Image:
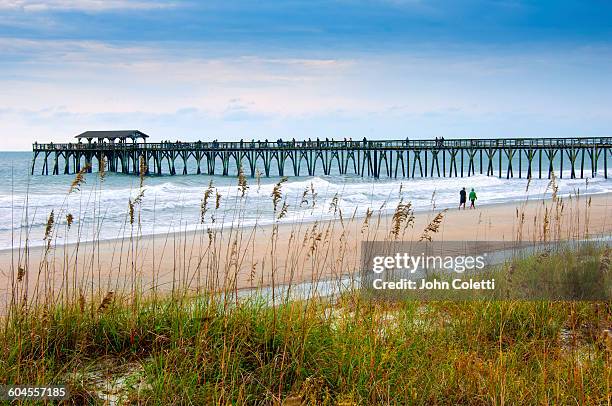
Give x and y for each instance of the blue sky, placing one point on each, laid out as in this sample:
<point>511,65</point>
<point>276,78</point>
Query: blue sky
<point>268,69</point>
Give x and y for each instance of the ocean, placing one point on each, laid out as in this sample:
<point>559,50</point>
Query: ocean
<point>172,203</point>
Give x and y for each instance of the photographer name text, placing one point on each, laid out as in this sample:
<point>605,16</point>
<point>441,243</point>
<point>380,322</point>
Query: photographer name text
<point>434,284</point>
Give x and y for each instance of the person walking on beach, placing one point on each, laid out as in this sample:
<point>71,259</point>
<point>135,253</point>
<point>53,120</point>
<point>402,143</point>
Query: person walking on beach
<point>472,199</point>
<point>462,198</point>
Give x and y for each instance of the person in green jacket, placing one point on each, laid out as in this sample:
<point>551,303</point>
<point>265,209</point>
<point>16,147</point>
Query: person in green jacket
<point>473,199</point>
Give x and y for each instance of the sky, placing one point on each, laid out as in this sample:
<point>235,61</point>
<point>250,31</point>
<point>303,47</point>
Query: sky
<point>381,69</point>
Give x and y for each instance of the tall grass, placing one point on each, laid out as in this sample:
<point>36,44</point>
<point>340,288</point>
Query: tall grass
<point>182,315</point>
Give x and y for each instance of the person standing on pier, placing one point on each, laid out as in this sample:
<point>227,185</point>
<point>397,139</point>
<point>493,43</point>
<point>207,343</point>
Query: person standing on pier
<point>472,199</point>
<point>462,198</point>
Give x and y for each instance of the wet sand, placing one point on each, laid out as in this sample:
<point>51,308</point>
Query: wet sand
<point>289,253</point>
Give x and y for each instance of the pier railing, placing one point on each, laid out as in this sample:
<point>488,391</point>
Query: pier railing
<point>335,144</point>
<point>406,158</point>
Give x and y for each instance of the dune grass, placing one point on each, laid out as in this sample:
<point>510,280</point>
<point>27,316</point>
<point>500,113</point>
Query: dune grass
<point>353,351</point>
<point>209,347</point>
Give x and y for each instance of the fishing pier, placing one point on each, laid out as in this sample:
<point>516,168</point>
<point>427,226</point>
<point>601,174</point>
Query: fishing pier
<point>128,152</point>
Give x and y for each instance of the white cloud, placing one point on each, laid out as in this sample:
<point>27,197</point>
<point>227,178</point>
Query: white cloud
<point>53,88</point>
<point>83,5</point>
<point>93,76</point>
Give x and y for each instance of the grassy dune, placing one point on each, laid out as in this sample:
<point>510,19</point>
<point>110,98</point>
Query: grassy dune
<point>353,351</point>
<point>126,345</point>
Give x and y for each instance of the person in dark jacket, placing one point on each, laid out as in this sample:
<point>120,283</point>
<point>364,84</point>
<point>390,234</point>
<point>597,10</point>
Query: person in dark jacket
<point>462,198</point>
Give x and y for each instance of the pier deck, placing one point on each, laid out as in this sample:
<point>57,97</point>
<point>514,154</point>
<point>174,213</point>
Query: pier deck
<point>515,157</point>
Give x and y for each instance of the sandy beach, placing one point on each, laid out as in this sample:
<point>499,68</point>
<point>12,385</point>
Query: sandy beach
<point>289,253</point>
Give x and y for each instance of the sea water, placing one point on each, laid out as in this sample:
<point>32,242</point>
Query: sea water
<point>172,203</point>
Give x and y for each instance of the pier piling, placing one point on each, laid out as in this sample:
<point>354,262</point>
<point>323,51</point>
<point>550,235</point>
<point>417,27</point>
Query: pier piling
<point>390,159</point>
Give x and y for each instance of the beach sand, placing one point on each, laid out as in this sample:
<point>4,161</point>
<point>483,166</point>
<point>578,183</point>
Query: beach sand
<point>290,253</point>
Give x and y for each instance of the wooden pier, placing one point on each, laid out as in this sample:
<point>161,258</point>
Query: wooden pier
<point>128,152</point>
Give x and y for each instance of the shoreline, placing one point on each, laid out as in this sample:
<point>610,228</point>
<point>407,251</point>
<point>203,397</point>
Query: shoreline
<point>269,223</point>
<point>263,255</point>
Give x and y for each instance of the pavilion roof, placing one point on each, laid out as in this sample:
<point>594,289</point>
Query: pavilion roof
<point>114,134</point>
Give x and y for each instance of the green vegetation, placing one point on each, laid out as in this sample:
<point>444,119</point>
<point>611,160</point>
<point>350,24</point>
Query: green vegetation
<point>107,340</point>
<point>580,271</point>
<point>353,351</point>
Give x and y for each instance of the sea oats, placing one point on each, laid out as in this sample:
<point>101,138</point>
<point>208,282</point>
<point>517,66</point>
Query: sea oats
<point>131,211</point>
<point>143,170</point>
<point>108,298</point>
<point>313,194</point>
<point>242,182</point>
<point>366,220</point>
<point>403,216</point>
<point>277,193</point>
<point>433,227</point>
<point>49,225</point>
<point>304,199</point>
<point>217,200</point>
<point>333,206</point>
<point>69,220</point>
<point>79,179</point>
<point>20,273</point>
<point>283,210</point>
<point>102,168</point>
<point>204,203</point>
<point>553,186</point>
<point>258,179</point>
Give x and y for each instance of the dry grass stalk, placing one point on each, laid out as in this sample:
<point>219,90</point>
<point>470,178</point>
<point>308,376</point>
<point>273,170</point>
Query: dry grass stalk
<point>521,216</point>
<point>69,220</point>
<point>315,238</point>
<point>433,227</point>
<point>20,273</point>
<point>333,206</point>
<point>204,204</point>
<point>81,301</point>
<point>304,200</point>
<point>366,220</point>
<point>313,195</point>
<point>242,182</point>
<point>143,170</point>
<point>108,298</point>
<point>217,200</point>
<point>138,198</point>
<point>559,207</point>
<point>307,234</point>
<point>79,179</point>
<point>402,218</point>
<point>587,217</point>
<point>211,236</point>
<point>277,193</point>
<point>258,179</point>
<point>253,272</point>
<point>553,186</point>
<point>131,211</point>
<point>546,225</point>
<point>49,225</point>
<point>102,168</point>
<point>284,209</point>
